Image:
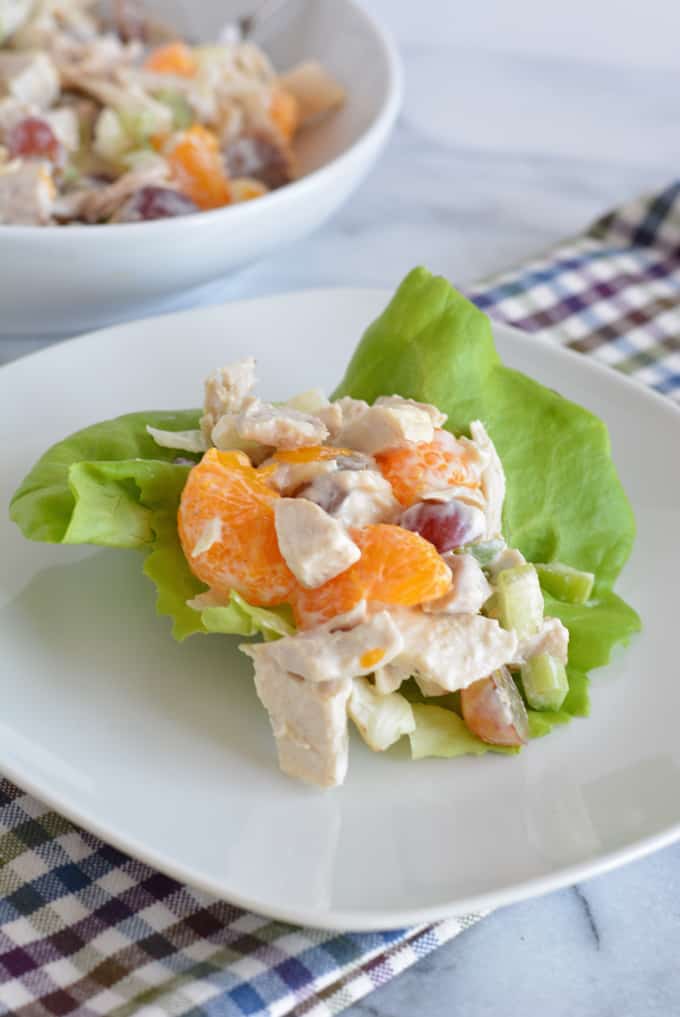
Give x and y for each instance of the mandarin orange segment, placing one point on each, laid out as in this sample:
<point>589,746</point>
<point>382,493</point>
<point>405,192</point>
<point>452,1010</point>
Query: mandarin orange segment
<point>196,164</point>
<point>413,470</point>
<point>284,112</point>
<point>310,454</point>
<point>397,567</point>
<point>246,558</point>
<point>175,58</point>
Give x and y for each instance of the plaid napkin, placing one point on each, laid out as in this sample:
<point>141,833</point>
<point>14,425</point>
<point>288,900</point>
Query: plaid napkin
<point>85,930</point>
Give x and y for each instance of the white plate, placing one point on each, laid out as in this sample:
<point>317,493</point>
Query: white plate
<point>58,280</point>
<point>164,750</point>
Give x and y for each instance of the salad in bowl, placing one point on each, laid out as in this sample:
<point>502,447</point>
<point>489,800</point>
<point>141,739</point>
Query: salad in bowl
<point>428,555</point>
<point>118,120</point>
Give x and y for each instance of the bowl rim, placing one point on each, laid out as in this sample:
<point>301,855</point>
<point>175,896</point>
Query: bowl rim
<point>372,135</point>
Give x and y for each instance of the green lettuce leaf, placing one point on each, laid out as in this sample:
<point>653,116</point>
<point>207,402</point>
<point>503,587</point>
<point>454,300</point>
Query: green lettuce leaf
<point>564,499</point>
<point>240,618</point>
<point>132,502</point>
<point>110,484</point>
<point>441,732</point>
<point>434,345</point>
<point>43,505</point>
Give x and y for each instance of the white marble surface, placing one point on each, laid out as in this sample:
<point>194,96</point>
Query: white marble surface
<point>521,123</point>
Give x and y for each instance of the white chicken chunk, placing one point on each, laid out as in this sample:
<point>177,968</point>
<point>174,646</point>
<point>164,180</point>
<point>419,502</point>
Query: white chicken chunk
<point>29,77</point>
<point>319,655</point>
<point>65,126</point>
<point>13,13</point>
<point>452,650</point>
<point>436,416</point>
<point>341,413</point>
<point>288,478</point>
<point>226,390</point>
<point>354,497</point>
<point>553,639</point>
<point>310,401</point>
<point>389,678</point>
<point>493,479</point>
<point>309,722</point>
<point>509,558</point>
<point>316,547</point>
<point>279,426</point>
<point>315,91</point>
<point>26,194</point>
<point>225,435</point>
<point>469,587</point>
<point>382,427</point>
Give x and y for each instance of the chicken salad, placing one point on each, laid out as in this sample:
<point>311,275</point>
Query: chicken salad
<point>117,119</point>
<point>409,559</point>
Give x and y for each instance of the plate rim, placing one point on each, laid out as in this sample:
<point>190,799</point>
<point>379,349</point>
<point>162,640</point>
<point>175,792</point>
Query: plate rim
<point>374,919</point>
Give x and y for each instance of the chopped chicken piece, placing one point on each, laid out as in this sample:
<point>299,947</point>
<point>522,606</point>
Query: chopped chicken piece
<point>390,677</point>
<point>290,477</point>
<point>428,687</point>
<point>65,126</point>
<point>436,416</point>
<point>314,89</point>
<point>263,155</point>
<point>341,413</point>
<point>382,427</point>
<point>321,656</point>
<point>100,204</point>
<point>552,639</point>
<point>309,722</point>
<point>26,193</point>
<point>493,479</point>
<point>456,492</point>
<point>509,558</point>
<point>13,14</point>
<point>30,77</point>
<point>453,650</point>
<point>279,426</point>
<point>129,97</point>
<point>226,390</point>
<point>331,416</point>
<point>354,497</point>
<point>310,401</point>
<point>315,546</point>
<point>469,590</point>
<point>225,436</point>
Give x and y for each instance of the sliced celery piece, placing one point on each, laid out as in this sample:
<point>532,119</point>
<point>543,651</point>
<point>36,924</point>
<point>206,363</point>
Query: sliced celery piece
<point>520,601</point>
<point>182,114</point>
<point>485,552</point>
<point>545,682</point>
<point>565,583</point>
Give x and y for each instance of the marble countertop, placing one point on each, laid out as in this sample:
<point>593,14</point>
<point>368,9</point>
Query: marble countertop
<point>521,124</point>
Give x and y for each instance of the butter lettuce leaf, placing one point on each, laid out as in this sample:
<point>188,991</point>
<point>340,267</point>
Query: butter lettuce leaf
<point>43,506</point>
<point>564,499</point>
<point>110,484</point>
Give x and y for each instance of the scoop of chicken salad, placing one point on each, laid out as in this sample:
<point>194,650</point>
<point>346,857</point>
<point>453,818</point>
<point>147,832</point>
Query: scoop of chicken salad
<point>118,119</point>
<point>369,539</point>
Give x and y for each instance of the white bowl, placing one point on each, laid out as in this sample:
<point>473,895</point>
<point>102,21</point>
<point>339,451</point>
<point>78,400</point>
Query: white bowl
<point>65,279</point>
